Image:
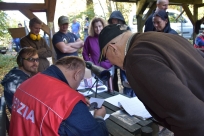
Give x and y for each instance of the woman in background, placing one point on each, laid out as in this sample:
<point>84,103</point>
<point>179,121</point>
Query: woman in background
<point>161,22</point>
<point>91,50</point>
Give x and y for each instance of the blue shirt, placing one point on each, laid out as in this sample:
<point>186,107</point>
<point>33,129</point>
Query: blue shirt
<point>66,38</point>
<point>75,27</point>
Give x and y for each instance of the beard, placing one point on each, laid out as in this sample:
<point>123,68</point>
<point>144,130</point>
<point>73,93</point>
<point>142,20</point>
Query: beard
<point>32,69</point>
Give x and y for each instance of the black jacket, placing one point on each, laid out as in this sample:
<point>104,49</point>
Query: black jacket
<point>117,15</point>
<point>149,24</point>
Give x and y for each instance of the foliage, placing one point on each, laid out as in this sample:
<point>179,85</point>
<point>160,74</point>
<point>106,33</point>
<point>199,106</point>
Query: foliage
<point>3,24</point>
<point>7,62</point>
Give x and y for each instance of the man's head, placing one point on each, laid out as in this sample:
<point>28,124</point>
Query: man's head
<point>19,25</point>
<point>112,41</point>
<point>74,21</point>
<point>73,68</point>
<point>87,19</point>
<point>162,4</point>
<point>35,25</point>
<point>63,23</point>
<point>28,60</point>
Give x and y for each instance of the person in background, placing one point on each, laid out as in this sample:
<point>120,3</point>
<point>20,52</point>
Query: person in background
<point>86,27</point>
<point>28,61</point>
<point>48,104</point>
<point>161,22</point>
<point>34,40</point>
<point>91,50</point>
<point>66,43</point>
<point>165,71</point>
<point>199,41</point>
<point>75,28</point>
<point>198,25</point>
<point>161,4</point>
<point>16,41</point>
<point>116,17</point>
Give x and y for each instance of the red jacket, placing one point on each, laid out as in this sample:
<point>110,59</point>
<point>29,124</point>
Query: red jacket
<point>39,106</point>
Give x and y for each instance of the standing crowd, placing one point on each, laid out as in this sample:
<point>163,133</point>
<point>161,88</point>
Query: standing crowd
<point>158,66</point>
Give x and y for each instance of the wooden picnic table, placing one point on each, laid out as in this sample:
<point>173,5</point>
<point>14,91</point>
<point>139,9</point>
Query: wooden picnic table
<point>117,127</point>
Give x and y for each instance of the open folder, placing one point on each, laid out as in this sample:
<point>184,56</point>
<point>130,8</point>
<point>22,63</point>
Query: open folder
<point>133,106</point>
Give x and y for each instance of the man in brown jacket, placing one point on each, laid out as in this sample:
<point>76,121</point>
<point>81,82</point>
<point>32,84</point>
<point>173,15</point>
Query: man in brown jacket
<point>33,39</point>
<point>166,73</point>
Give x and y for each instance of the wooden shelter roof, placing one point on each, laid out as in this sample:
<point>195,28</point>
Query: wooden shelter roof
<point>28,8</point>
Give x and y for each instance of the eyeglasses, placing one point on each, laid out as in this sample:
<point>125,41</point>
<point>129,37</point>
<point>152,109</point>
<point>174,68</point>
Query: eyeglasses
<point>31,59</point>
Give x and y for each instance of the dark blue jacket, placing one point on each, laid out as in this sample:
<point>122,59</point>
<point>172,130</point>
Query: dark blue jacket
<point>149,24</point>
<point>10,82</point>
<point>80,122</point>
<point>168,29</point>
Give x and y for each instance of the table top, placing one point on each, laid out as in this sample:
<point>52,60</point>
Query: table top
<point>119,126</point>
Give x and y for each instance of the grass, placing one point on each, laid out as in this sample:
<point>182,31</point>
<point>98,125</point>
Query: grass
<point>7,62</point>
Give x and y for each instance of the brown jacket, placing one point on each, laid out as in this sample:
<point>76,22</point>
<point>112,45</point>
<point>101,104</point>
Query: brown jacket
<point>43,50</point>
<point>167,74</point>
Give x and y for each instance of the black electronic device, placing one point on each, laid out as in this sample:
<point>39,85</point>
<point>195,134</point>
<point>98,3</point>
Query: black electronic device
<point>101,73</point>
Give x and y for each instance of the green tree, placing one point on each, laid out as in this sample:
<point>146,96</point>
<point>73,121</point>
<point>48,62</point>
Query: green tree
<point>3,23</point>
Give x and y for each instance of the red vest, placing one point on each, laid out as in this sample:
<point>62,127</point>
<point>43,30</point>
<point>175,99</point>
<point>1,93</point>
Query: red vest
<point>39,106</point>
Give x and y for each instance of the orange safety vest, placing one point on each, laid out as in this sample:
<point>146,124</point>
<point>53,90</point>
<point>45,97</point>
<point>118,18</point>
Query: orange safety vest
<point>39,106</point>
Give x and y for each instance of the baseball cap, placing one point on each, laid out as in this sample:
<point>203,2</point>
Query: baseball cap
<point>63,20</point>
<point>107,34</point>
<point>161,13</point>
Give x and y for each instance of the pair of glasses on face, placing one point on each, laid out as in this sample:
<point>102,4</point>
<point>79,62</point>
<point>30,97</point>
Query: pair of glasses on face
<point>31,59</point>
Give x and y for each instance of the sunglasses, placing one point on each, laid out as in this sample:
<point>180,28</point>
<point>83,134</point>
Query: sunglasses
<point>31,59</point>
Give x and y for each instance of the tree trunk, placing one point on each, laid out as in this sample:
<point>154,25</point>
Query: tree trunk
<point>90,7</point>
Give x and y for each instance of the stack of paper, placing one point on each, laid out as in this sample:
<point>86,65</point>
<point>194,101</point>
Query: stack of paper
<point>132,106</point>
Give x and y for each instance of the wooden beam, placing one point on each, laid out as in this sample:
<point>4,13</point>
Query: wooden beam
<point>200,5</point>
<point>51,11</point>
<point>132,1</point>
<point>171,1</point>
<point>195,13</point>
<point>46,3</point>
<point>140,6</point>
<point>188,13</point>
<point>19,6</point>
<point>30,15</point>
<point>151,8</point>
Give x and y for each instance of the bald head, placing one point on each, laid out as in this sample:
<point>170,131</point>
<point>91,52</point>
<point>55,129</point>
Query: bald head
<point>73,68</point>
<point>162,4</point>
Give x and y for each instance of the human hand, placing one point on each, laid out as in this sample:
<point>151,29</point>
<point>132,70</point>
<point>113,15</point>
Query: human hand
<point>100,112</point>
<point>82,44</point>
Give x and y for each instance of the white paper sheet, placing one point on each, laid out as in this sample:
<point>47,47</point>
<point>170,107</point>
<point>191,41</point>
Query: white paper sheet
<point>115,99</point>
<point>134,106</point>
<point>97,100</point>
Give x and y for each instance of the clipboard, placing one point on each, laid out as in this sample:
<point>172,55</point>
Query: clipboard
<point>17,32</point>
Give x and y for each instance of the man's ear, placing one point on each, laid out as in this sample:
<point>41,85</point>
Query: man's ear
<point>77,74</point>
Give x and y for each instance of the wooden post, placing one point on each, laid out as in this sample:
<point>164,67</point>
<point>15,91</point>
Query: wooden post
<point>50,24</point>
<point>195,13</point>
